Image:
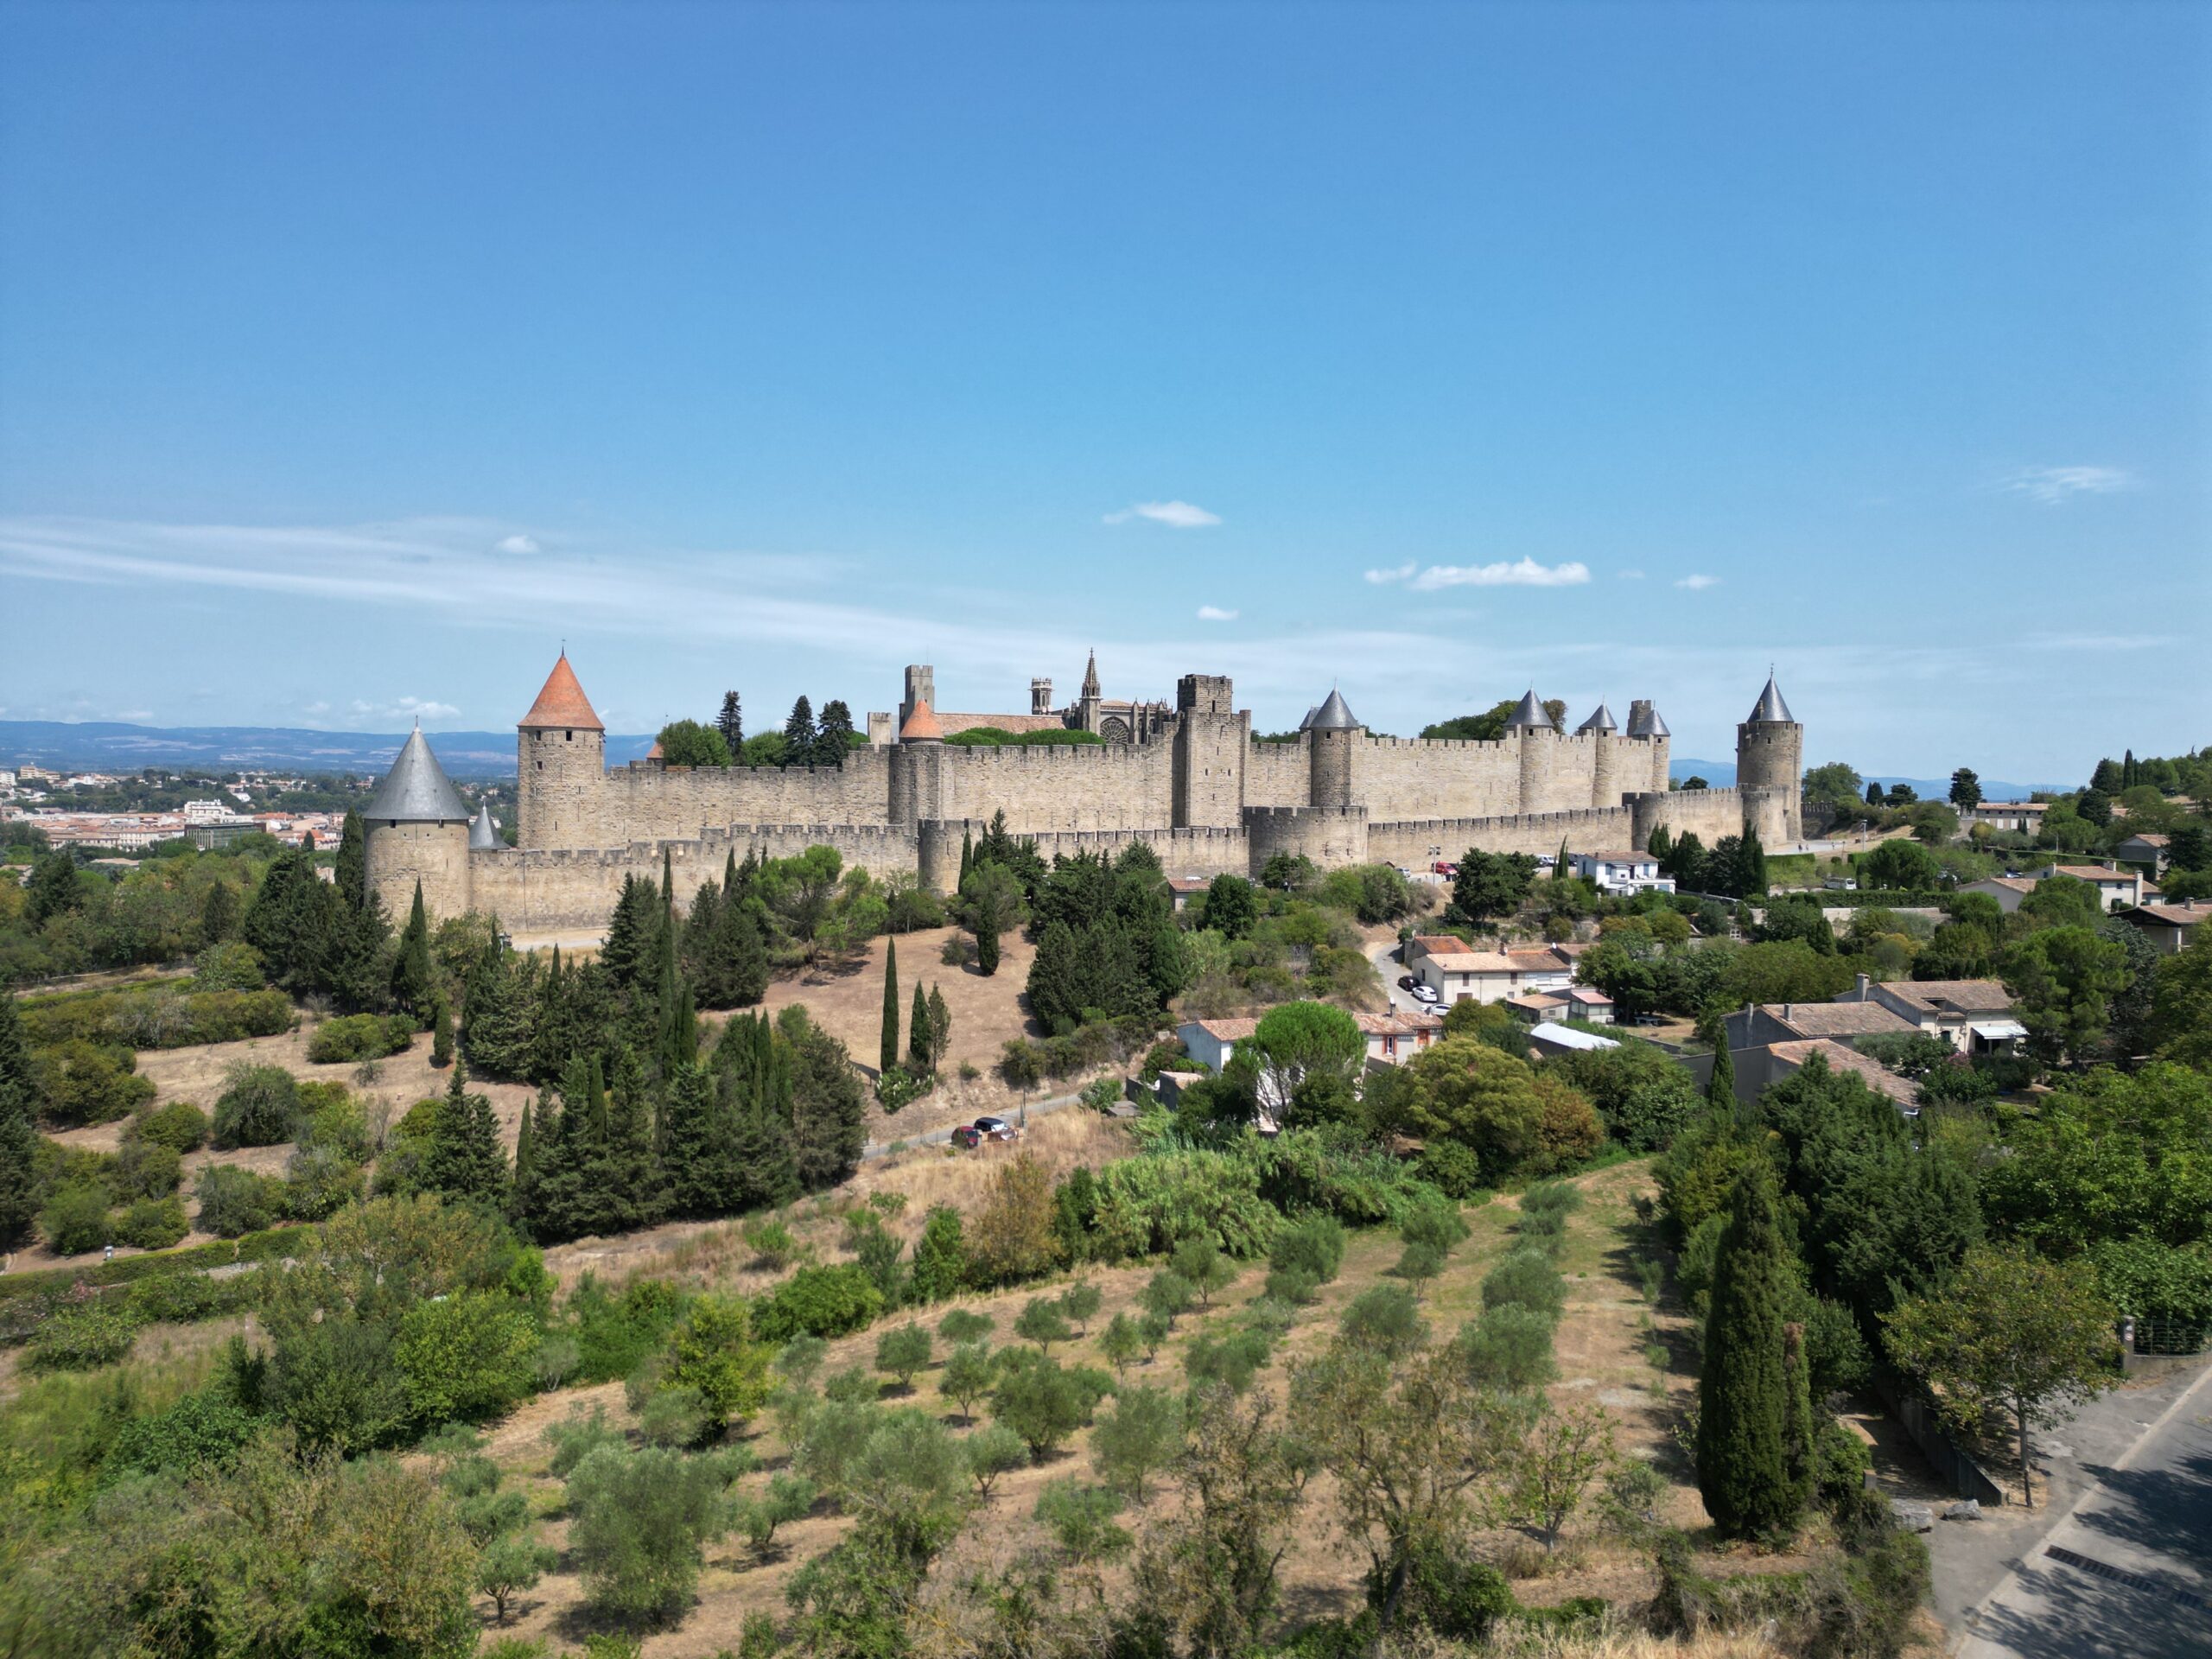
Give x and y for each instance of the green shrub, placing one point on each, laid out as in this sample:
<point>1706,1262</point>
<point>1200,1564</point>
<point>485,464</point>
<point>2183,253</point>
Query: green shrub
<point>85,1083</point>
<point>673,1417</point>
<point>616,1334</point>
<point>179,1126</point>
<point>1457,1598</point>
<point>1384,1318</point>
<point>201,1432</point>
<point>639,1521</point>
<point>1526,1277</point>
<point>144,1170</point>
<point>75,1220</point>
<point>233,1201</point>
<point>1509,1347</point>
<point>577,1436</point>
<point>822,1301</point>
<point>465,1355</point>
<point>156,1017</point>
<point>259,1107</point>
<point>151,1223</point>
<point>1452,1168</point>
<point>360,1036</point>
<point>81,1337</point>
<point>182,1298</point>
<point>1314,1246</point>
<point>231,966</point>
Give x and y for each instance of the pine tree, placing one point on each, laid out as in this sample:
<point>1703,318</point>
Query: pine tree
<point>440,1031</point>
<point>18,1127</point>
<point>830,744</point>
<point>731,724</point>
<point>627,955</point>
<point>1720,1088</point>
<point>940,1027</point>
<point>1055,979</point>
<point>498,1014</point>
<point>888,1050</point>
<point>799,734</point>
<point>698,1147</point>
<point>464,1160</point>
<point>352,865</point>
<point>1743,1453</point>
<point>413,985</point>
<point>632,1190</point>
<point>918,1035</point>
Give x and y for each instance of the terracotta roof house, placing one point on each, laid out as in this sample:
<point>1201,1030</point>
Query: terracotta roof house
<point>1972,1015</point>
<point>1458,972</point>
<point>2170,924</point>
<point>1785,1059</point>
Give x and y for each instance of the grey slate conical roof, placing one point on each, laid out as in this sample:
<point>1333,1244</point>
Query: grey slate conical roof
<point>483,834</point>
<point>1306,724</point>
<point>1770,707</point>
<point>416,789</point>
<point>1646,723</point>
<point>1333,715</point>
<point>1528,713</point>
<point>1600,721</point>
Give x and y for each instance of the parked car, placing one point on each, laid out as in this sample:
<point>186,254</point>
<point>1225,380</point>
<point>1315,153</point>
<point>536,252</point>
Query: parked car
<point>995,1128</point>
<point>1442,868</point>
<point>1425,992</point>
<point>966,1137</point>
<point>1407,982</point>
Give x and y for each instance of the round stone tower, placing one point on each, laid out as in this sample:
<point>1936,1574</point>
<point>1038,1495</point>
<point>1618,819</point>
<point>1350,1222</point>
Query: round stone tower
<point>1601,731</point>
<point>561,766</point>
<point>1539,741</point>
<point>417,831</point>
<point>1332,736</point>
<point>1770,756</point>
<point>1643,722</point>
<point>917,786</point>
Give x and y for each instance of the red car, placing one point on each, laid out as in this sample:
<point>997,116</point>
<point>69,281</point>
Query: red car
<point>966,1137</point>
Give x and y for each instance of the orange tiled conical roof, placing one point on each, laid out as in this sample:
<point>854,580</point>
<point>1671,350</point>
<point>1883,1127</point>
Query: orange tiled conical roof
<point>921,726</point>
<point>561,703</point>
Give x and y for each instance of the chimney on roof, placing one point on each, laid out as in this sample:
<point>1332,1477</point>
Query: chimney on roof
<point>1788,1008</point>
<point>1863,983</point>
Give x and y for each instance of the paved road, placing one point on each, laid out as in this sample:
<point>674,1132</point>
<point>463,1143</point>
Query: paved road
<point>2127,1570</point>
<point>939,1137</point>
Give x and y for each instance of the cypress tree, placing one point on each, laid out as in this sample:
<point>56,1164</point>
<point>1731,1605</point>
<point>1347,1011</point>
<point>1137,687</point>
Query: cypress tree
<point>679,1044</point>
<point>1662,843</point>
<point>18,1130</point>
<point>967,859</point>
<point>441,1030</point>
<point>987,952</point>
<point>940,1026</point>
<point>697,1145</point>
<point>412,984</point>
<point>353,863</point>
<point>1798,1419</point>
<point>464,1160</point>
<point>1750,865</point>
<point>667,885</point>
<point>917,1037</point>
<point>1720,1088</point>
<point>1559,865</point>
<point>1743,1444</point>
<point>627,955</point>
<point>1055,986</point>
<point>219,913</point>
<point>521,1196</point>
<point>889,1052</point>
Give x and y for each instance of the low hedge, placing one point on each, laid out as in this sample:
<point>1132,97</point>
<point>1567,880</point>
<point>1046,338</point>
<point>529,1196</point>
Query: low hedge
<point>360,1036</point>
<point>101,1275</point>
<point>158,1016</point>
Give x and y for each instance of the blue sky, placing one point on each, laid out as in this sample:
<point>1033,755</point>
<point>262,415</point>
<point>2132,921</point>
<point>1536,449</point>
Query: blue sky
<point>353,356</point>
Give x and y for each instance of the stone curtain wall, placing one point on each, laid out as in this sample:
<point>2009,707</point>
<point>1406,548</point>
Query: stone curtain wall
<point>1405,778</point>
<point>1059,787</point>
<point>642,803</point>
<point>1281,774</point>
<point>1407,843</point>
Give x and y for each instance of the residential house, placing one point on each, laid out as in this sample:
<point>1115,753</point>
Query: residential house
<point>1392,1039</point>
<point>1187,887</point>
<point>1974,1016</point>
<point>2006,890</point>
<point>2116,887</point>
<point>1787,1060</point>
<point>1548,1039</point>
<point>1763,1025</point>
<point>1621,873</point>
<point>2019,817</point>
<point>2148,849</point>
<point>2170,924</point>
<point>1458,972</point>
<point>1584,1002</point>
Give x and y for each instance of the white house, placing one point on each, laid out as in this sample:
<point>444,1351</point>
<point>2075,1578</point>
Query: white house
<point>1392,1039</point>
<point>2020,818</point>
<point>1458,973</point>
<point>1621,873</point>
<point>1548,1038</point>
<point>2117,888</point>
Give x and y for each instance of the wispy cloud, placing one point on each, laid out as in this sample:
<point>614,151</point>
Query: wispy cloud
<point>1215,613</point>
<point>1179,515</point>
<point>1630,576</point>
<point>2053,486</point>
<point>1698,584</point>
<point>2101,641</point>
<point>517,544</point>
<point>1517,573</point>
<point>402,709</point>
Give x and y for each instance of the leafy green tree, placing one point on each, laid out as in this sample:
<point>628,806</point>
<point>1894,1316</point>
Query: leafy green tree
<point>1743,1453</point>
<point>511,1564</point>
<point>1042,1403</point>
<point>713,1351</point>
<point>1468,1090</point>
<point>993,1451</point>
<point>787,1497</point>
<point>1509,1347</point>
<point>1298,1041</point>
<point>903,1352</point>
<point>2063,902</point>
<point>2013,1338</point>
<point>687,743</point>
<point>1900,866</point>
<point>1384,1319</point>
<point>940,1264</point>
<point>970,1373</point>
<point>1555,1466</point>
<point>2181,1005</point>
<point>1966,789</point>
<point>18,1132</point>
<point>1080,1301</point>
<point>639,1521</point>
<point>1488,886</point>
<point>1042,1322</point>
<point>1231,906</point>
<point>2062,980</point>
<point>1140,1436</point>
<point>465,1355</point>
<point>1119,1342</point>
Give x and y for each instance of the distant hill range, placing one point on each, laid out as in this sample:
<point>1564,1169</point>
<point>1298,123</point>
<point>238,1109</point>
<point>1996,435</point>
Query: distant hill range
<point>101,746</point>
<point>105,746</point>
<point>1721,774</point>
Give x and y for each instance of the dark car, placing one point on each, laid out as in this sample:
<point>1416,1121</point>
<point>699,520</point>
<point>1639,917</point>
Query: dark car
<point>967,1137</point>
<point>1406,981</point>
<point>994,1128</point>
